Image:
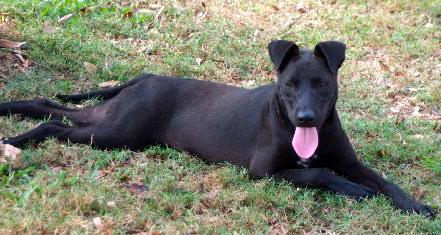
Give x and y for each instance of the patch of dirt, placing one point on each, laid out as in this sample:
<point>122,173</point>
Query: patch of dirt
<point>11,58</point>
<point>408,106</point>
<point>401,77</point>
<point>265,16</point>
<point>8,27</point>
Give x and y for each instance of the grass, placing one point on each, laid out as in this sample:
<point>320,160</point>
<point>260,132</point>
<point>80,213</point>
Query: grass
<point>393,61</point>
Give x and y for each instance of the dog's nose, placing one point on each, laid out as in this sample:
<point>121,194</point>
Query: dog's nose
<point>305,117</point>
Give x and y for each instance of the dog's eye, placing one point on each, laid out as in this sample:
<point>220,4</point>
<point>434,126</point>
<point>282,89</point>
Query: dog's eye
<point>323,84</point>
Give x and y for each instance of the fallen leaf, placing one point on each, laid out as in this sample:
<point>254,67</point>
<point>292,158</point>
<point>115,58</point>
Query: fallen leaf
<point>108,84</point>
<point>416,111</point>
<point>418,136</point>
<point>97,222</point>
<point>437,53</point>
<point>300,7</point>
<point>428,25</point>
<point>10,44</point>
<point>85,9</point>
<point>10,153</point>
<point>394,109</point>
<point>111,204</point>
<point>90,68</point>
<point>176,214</point>
<point>159,13</point>
<point>65,18</point>
<point>144,11</point>
<point>128,14</point>
<point>23,60</point>
<point>48,28</point>
<point>149,233</point>
<point>399,119</point>
<point>199,61</point>
<point>154,6</point>
<point>136,188</point>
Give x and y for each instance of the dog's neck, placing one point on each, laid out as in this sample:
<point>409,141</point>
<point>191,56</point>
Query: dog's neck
<point>280,112</point>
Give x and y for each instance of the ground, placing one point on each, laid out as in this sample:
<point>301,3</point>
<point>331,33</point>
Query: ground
<point>389,103</point>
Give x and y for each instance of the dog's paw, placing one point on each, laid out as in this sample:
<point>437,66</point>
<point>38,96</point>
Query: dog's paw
<point>4,141</point>
<point>419,208</point>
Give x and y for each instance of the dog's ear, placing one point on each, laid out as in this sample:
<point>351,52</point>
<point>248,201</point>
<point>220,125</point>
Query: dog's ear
<point>332,52</point>
<point>281,51</point>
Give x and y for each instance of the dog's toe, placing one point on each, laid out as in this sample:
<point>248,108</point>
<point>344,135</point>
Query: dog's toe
<point>419,208</point>
<point>427,211</point>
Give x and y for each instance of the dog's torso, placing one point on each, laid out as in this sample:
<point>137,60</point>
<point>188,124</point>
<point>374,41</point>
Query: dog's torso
<point>216,122</point>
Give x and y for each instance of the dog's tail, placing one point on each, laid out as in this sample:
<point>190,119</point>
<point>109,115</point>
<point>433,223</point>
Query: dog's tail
<point>104,94</point>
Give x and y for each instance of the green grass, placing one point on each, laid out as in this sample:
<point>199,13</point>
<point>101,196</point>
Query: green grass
<point>392,60</point>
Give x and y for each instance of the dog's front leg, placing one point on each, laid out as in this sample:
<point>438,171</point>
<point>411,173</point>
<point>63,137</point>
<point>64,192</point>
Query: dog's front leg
<point>321,178</point>
<point>343,161</point>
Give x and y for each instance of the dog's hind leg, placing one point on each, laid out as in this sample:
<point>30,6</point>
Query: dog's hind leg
<point>38,108</point>
<point>90,135</point>
<point>38,134</point>
<point>104,94</point>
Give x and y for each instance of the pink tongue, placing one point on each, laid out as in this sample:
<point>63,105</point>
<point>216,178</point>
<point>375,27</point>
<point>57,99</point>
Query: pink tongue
<point>305,141</point>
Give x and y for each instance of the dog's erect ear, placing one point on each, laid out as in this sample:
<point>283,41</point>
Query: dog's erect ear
<point>281,51</point>
<point>332,52</point>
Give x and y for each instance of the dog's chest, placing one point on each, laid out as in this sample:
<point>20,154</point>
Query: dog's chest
<point>307,163</point>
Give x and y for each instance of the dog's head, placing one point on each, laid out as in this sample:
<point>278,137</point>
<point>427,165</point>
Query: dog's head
<point>307,85</point>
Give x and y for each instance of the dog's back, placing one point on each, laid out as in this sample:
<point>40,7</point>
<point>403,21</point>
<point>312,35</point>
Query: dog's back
<point>214,121</point>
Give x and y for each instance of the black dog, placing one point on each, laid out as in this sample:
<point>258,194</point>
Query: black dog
<point>289,130</point>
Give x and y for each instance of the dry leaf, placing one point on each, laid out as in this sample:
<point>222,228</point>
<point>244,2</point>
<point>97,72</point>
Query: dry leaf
<point>90,68</point>
<point>99,225</point>
<point>394,109</point>
<point>128,14</point>
<point>176,214</point>
<point>20,57</point>
<point>159,13</point>
<point>418,136</point>
<point>154,6</point>
<point>149,233</point>
<point>48,28</point>
<point>108,84</point>
<point>10,44</point>
<point>85,9</point>
<point>97,222</point>
<point>10,153</point>
<point>199,61</point>
<point>138,189</point>
<point>144,11</point>
<point>300,7</point>
<point>437,53</point>
<point>276,8</point>
<point>399,119</point>
<point>416,111</point>
<point>65,18</point>
<point>111,204</point>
